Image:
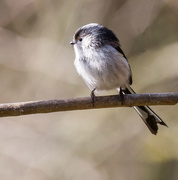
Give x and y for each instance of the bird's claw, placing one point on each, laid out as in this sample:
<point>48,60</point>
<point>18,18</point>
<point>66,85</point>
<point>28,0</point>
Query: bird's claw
<point>121,94</point>
<point>92,95</point>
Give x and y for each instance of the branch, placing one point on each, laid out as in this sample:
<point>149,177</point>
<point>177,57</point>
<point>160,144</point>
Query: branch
<point>35,107</point>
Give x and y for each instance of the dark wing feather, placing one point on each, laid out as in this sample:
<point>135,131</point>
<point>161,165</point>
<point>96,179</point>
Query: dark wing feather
<point>116,45</point>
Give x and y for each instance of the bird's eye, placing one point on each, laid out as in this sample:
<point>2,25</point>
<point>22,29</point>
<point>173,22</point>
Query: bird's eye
<point>80,39</point>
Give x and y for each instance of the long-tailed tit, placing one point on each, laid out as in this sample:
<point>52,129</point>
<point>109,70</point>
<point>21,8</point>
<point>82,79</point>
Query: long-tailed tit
<point>103,66</point>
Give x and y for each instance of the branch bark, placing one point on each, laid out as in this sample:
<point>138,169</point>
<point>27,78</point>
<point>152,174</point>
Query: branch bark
<point>35,107</point>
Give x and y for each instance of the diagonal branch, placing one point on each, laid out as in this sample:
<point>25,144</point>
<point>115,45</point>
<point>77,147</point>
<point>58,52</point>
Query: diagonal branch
<point>35,107</point>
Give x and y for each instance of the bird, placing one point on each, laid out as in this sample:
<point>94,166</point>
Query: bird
<point>102,64</point>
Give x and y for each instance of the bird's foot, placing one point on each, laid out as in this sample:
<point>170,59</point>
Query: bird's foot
<point>92,95</point>
<point>121,94</point>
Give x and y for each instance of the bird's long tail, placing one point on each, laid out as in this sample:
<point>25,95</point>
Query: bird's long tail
<point>150,118</point>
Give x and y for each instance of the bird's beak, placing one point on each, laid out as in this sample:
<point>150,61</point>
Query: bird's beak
<point>72,42</point>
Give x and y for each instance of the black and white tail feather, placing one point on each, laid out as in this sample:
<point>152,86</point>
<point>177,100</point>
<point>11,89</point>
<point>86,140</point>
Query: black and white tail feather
<point>150,118</point>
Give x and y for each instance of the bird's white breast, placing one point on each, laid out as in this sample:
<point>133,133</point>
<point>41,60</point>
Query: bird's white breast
<point>102,68</point>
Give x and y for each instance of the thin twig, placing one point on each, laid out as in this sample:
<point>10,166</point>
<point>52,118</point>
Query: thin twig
<point>35,107</point>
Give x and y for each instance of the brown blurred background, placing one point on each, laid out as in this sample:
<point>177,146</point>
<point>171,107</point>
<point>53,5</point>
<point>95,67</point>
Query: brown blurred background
<point>36,63</point>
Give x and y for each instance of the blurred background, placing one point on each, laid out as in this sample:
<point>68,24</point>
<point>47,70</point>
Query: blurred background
<point>36,63</point>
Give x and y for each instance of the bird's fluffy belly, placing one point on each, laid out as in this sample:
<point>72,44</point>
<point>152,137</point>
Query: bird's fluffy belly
<point>104,74</point>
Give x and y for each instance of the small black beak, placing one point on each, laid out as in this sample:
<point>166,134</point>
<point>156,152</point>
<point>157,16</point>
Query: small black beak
<point>72,42</point>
